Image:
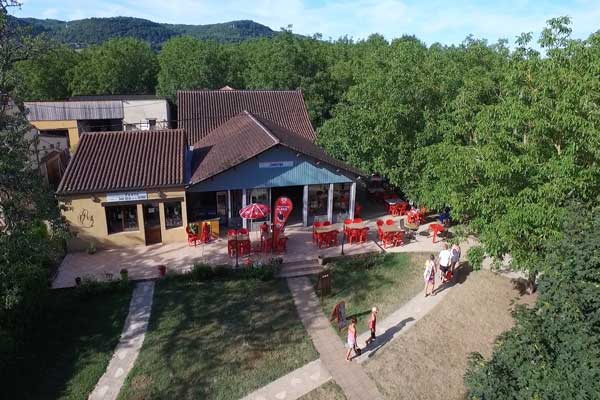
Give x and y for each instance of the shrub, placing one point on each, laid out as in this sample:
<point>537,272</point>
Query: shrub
<point>91,287</point>
<point>220,271</point>
<point>475,255</point>
<point>202,272</point>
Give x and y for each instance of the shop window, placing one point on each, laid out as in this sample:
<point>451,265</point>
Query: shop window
<point>173,218</point>
<point>341,197</point>
<point>317,199</point>
<point>121,218</point>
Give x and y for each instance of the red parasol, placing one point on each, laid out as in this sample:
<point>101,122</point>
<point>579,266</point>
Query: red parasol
<point>255,211</point>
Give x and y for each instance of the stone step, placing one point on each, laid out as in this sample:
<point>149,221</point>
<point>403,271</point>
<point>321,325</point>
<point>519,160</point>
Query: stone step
<point>300,270</point>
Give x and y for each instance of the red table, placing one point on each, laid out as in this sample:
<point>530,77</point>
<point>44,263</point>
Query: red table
<point>436,228</point>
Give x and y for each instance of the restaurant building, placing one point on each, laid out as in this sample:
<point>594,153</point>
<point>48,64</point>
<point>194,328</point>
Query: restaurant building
<point>233,148</point>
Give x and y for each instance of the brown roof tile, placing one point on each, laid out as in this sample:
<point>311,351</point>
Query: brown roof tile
<point>245,136</point>
<point>110,161</point>
<point>202,111</point>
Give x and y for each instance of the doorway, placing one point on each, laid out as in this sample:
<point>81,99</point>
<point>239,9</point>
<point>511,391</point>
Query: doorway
<point>295,194</point>
<point>152,224</point>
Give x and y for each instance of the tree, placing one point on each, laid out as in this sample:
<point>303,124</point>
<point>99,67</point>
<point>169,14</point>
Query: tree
<point>526,147</point>
<point>118,66</point>
<point>187,63</point>
<point>31,227</point>
<point>554,350</point>
<point>46,76</point>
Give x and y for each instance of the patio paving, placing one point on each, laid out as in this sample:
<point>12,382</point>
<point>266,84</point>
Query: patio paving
<point>142,261</point>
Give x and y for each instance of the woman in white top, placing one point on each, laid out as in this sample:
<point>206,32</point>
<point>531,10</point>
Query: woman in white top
<point>429,275</point>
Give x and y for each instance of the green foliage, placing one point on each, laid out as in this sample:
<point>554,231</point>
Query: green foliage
<point>187,63</point>
<point>93,31</point>
<point>31,231</point>
<point>554,350</point>
<point>46,76</point>
<point>118,66</point>
<point>475,256</point>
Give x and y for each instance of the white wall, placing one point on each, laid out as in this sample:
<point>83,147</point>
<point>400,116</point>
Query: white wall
<point>140,111</point>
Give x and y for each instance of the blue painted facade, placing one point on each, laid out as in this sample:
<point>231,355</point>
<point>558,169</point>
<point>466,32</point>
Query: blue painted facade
<point>263,171</point>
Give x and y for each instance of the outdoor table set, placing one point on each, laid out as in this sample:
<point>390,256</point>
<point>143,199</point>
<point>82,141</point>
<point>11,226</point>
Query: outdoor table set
<point>396,207</point>
<point>325,234</point>
<point>240,240</point>
<point>389,233</point>
<point>355,231</point>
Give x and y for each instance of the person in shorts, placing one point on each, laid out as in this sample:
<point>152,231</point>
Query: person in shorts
<point>372,325</point>
<point>351,344</point>
<point>429,275</point>
<point>444,261</point>
<point>455,257</point>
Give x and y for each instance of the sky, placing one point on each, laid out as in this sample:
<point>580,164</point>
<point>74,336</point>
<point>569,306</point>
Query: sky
<point>447,22</point>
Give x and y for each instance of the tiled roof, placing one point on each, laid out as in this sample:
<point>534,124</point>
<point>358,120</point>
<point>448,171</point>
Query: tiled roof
<point>201,111</point>
<point>245,136</point>
<point>131,160</point>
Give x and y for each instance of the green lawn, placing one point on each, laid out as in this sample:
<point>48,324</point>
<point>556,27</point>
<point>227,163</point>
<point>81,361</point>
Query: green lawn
<point>73,346</point>
<point>219,339</point>
<point>386,281</point>
<point>327,391</point>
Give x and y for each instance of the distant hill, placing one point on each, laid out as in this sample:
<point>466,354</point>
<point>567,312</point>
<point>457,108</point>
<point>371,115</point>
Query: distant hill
<point>89,31</point>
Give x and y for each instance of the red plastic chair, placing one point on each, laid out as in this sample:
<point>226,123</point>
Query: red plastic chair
<point>315,237</point>
<point>205,236</point>
<point>379,231</point>
<point>357,210</point>
<point>354,235</point>
<point>192,237</point>
<point>363,235</point>
<point>231,232</point>
<point>332,238</point>
<point>231,247</point>
<point>243,231</point>
<point>388,239</point>
<point>326,223</point>
<point>389,222</point>
<point>399,239</point>
<point>402,208</point>
<point>357,220</point>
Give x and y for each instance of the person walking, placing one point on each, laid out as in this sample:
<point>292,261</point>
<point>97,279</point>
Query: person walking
<point>351,344</point>
<point>372,325</point>
<point>444,261</point>
<point>429,275</point>
<point>454,257</point>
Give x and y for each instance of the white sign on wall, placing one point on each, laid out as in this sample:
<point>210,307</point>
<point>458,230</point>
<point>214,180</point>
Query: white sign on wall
<point>126,196</point>
<point>276,164</point>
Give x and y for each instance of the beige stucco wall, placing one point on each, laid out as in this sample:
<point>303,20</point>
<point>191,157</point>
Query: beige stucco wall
<point>87,220</point>
<point>70,125</point>
<point>140,111</point>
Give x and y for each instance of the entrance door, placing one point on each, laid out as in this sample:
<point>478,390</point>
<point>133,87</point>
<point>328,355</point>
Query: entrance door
<point>222,207</point>
<point>152,224</point>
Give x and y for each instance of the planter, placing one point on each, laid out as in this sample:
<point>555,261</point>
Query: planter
<point>78,281</point>
<point>124,274</point>
<point>162,270</point>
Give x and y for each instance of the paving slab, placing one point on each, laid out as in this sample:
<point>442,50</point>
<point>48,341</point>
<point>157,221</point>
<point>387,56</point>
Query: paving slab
<point>129,345</point>
<point>350,376</point>
<point>295,384</point>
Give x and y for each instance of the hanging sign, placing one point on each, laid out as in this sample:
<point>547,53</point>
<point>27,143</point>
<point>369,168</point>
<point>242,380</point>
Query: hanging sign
<point>283,209</point>
<point>126,196</point>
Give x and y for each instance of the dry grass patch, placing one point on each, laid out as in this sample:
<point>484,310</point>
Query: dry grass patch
<point>430,360</point>
<point>327,391</point>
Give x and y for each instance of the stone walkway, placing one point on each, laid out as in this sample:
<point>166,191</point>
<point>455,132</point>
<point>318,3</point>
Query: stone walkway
<point>353,380</point>
<point>129,346</point>
<point>401,320</point>
<point>293,385</point>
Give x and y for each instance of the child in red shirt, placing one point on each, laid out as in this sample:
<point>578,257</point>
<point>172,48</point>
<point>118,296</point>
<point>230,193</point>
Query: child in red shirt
<point>372,325</point>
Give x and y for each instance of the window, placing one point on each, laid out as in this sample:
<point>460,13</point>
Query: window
<point>173,217</point>
<point>317,199</point>
<point>152,124</point>
<point>341,197</point>
<point>121,218</point>
<point>130,127</point>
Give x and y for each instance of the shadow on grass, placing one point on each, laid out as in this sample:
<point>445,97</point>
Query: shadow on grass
<point>461,273</point>
<point>218,340</point>
<point>386,337</point>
